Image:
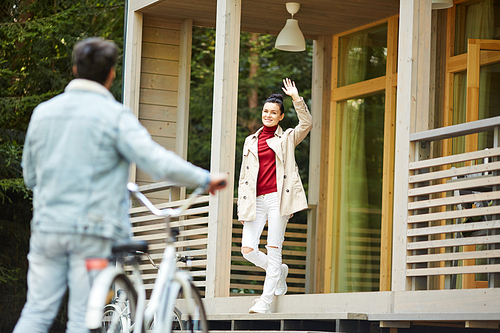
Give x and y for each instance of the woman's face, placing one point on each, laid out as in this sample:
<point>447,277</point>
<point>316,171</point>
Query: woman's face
<point>271,114</point>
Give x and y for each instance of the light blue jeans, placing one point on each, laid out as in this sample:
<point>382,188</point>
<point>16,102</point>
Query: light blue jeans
<point>56,263</point>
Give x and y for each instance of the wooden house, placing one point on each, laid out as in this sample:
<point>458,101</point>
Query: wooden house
<point>402,230</point>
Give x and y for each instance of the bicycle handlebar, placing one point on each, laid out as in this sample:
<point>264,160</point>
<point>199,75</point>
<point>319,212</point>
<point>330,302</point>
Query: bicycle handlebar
<point>168,212</point>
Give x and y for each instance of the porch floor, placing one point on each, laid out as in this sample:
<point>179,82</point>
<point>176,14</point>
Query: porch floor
<point>472,310</point>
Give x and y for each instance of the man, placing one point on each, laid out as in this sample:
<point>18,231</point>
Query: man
<point>76,159</point>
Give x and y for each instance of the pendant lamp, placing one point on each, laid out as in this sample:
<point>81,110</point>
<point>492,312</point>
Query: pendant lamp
<point>291,38</point>
<point>442,4</point>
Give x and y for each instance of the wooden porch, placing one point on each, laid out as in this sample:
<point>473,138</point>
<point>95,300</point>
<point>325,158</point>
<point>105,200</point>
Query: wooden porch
<point>362,312</point>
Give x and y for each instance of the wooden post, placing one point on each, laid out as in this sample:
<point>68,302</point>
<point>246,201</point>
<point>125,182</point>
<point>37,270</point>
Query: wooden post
<point>388,171</point>
<point>318,87</point>
<point>181,141</point>
<point>323,203</point>
<point>471,141</point>
<point>132,68</point>
<point>227,46</point>
<point>411,116</point>
<point>329,252</point>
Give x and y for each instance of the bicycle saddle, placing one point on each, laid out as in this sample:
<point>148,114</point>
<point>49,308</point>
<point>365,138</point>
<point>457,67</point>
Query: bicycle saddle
<point>130,247</point>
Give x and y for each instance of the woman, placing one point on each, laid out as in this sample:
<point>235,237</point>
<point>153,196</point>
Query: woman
<point>270,190</point>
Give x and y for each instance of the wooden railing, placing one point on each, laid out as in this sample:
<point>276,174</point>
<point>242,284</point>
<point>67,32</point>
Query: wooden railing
<point>249,279</point>
<point>453,225</point>
<point>192,240</point>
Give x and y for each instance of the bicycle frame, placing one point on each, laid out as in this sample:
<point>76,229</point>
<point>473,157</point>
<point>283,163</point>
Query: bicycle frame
<point>167,285</point>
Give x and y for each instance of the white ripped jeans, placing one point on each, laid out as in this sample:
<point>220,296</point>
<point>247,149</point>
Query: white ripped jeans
<point>267,211</point>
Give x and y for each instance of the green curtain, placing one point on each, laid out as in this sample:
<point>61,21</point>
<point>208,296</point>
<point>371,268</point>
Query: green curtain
<point>353,187</point>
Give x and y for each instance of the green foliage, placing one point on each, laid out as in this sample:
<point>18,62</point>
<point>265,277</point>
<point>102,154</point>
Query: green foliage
<point>272,67</point>
<point>36,42</point>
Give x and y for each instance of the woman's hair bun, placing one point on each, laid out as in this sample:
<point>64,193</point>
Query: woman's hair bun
<point>276,96</point>
<point>278,99</point>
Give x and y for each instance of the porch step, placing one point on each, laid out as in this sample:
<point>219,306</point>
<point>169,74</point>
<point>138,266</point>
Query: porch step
<point>288,316</point>
<point>281,322</point>
<point>266,331</point>
<point>435,316</point>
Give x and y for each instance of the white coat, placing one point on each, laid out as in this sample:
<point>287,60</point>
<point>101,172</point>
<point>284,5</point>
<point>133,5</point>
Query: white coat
<point>289,186</point>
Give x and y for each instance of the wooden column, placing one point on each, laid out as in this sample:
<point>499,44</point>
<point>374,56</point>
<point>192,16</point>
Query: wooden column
<point>411,116</point>
<point>388,170</point>
<point>186,34</point>
<point>321,65</point>
<point>321,237</point>
<point>471,141</point>
<point>227,45</point>
<point>132,67</point>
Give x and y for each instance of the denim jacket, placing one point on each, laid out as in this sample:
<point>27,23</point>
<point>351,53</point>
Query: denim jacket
<point>76,158</point>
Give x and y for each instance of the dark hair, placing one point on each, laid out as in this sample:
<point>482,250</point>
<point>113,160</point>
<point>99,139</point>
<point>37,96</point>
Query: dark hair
<point>94,57</point>
<point>278,99</point>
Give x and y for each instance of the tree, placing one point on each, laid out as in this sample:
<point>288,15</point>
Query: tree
<point>36,41</point>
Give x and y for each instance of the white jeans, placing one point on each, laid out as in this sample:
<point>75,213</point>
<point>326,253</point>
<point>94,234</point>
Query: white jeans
<point>267,211</point>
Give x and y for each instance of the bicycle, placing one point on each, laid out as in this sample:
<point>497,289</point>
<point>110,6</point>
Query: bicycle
<point>117,311</point>
<point>168,286</point>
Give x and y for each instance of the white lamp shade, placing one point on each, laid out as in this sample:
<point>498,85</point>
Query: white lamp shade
<point>291,38</point>
<point>442,4</point>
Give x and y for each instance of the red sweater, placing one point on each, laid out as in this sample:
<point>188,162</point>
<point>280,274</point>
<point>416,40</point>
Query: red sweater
<point>266,180</point>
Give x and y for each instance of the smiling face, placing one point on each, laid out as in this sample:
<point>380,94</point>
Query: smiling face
<point>271,114</point>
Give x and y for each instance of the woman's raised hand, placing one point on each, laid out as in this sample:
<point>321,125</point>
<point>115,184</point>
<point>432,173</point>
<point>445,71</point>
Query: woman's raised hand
<point>290,89</point>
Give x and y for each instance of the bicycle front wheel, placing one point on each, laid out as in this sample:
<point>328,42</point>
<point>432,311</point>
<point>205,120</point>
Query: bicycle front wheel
<point>176,322</point>
<point>196,321</point>
<point>119,313</point>
<point>112,320</point>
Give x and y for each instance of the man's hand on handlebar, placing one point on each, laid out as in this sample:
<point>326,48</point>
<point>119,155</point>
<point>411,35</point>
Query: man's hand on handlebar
<point>217,182</point>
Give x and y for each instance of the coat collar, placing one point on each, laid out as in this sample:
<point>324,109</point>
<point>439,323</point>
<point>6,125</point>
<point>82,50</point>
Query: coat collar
<point>274,142</point>
<point>278,133</point>
<point>88,85</point>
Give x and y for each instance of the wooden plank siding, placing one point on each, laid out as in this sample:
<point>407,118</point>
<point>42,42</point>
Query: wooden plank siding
<point>159,81</point>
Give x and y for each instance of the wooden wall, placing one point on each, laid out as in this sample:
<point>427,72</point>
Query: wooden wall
<point>159,82</point>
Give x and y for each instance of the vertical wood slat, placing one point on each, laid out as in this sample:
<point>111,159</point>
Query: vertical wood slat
<point>329,215</point>
<point>446,146</point>
<point>472,113</point>
<point>132,68</point>
<point>324,169</point>
<point>227,46</point>
<point>388,171</point>
<point>321,63</point>
<point>183,93</point>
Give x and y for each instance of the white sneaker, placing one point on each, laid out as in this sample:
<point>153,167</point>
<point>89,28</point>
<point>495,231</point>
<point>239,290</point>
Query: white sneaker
<point>281,287</point>
<point>260,306</point>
